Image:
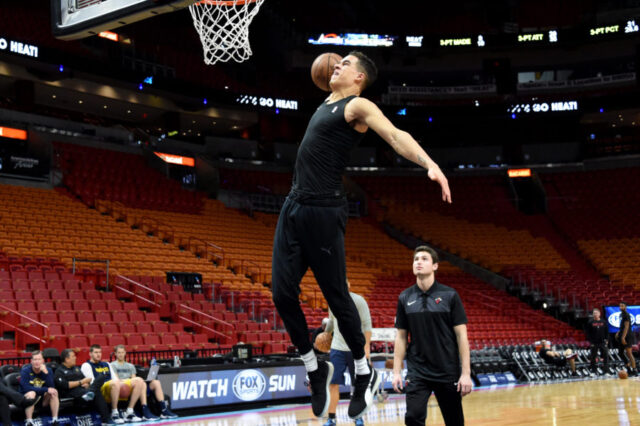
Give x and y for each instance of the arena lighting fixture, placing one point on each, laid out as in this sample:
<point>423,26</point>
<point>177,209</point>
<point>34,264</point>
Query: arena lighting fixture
<point>518,173</point>
<point>176,159</point>
<point>109,35</point>
<point>11,133</point>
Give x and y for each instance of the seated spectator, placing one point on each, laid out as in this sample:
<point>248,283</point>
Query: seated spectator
<point>72,383</point>
<point>126,372</point>
<point>7,395</point>
<point>37,381</point>
<point>96,369</point>
<point>555,358</point>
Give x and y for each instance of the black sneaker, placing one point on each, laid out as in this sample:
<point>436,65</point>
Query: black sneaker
<point>362,397</point>
<point>632,372</point>
<point>319,381</point>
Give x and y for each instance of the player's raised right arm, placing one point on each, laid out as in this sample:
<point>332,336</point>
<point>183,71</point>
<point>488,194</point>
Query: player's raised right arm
<point>402,142</point>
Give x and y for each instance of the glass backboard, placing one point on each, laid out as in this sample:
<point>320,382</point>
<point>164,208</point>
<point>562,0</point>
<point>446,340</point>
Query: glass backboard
<point>74,19</point>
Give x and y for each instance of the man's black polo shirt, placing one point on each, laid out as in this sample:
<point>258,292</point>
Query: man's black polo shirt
<point>429,318</point>
<point>597,332</point>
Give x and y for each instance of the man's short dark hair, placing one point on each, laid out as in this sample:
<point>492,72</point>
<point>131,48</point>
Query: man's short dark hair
<point>36,352</point>
<point>65,354</point>
<point>432,252</point>
<point>95,346</point>
<point>367,66</point>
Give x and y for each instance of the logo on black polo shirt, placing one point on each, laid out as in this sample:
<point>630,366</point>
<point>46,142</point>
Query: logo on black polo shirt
<point>438,300</point>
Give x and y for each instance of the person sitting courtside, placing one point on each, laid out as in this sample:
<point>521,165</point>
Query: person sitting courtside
<point>71,383</point>
<point>36,381</point>
<point>127,371</point>
<point>558,359</point>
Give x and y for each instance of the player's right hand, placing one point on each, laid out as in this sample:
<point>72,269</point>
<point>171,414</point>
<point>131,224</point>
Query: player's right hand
<point>436,175</point>
<point>397,382</point>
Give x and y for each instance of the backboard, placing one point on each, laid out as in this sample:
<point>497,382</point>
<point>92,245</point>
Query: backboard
<point>75,19</point>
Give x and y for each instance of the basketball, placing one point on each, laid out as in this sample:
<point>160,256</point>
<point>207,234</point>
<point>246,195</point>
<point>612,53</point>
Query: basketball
<point>323,342</point>
<point>622,374</point>
<point>388,364</point>
<point>125,392</point>
<point>322,68</point>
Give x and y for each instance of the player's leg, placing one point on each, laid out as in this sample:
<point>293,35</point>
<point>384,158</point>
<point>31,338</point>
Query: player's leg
<point>593,354</point>
<point>156,388</point>
<point>632,360</point>
<point>418,393</point>
<point>288,268</point>
<point>5,412</point>
<point>450,402</point>
<point>604,350</point>
<point>324,249</point>
<point>110,395</point>
<point>54,406</point>
<point>339,361</point>
<point>29,410</point>
<point>138,393</point>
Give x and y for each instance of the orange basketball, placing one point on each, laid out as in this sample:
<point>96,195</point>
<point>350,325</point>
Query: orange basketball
<point>322,68</point>
<point>622,374</point>
<point>388,364</point>
<point>125,392</point>
<point>323,341</point>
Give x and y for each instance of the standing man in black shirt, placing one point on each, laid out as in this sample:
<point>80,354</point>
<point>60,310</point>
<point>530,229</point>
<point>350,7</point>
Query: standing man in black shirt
<point>626,338</point>
<point>312,222</point>
<point>598,337</point>
<point>432,317</point>
<point>71,383</point>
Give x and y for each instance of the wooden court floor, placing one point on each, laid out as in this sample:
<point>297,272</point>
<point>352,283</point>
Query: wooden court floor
<point>595,402</point>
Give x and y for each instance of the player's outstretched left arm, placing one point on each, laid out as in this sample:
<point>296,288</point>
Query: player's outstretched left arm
<point>402,142</point>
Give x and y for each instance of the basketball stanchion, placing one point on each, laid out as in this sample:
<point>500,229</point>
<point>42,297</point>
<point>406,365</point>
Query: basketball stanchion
<point>223,27</point>
<point>386,336</point>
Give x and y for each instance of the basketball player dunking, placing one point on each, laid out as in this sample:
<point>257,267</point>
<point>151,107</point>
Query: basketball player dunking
<point>311,226</point>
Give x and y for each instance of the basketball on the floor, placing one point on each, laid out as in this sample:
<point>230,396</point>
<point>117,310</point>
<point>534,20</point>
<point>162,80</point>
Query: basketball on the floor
<point>323,341</point>
<point>322,68</point>
<point>125,391</point>
<point>622,374</point>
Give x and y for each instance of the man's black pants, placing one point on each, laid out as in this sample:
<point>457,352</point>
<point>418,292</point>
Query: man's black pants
<point>311,235</point>
<point>449,399</point>
<point>604,353</point>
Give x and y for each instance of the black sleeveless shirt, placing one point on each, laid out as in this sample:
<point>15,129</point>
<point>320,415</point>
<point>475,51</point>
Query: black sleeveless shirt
<point>323,153</point>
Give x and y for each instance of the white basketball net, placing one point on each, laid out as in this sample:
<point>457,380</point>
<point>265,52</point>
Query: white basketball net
<point>223,27</point>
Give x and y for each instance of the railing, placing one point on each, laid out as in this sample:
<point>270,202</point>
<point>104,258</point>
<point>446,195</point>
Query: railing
<point>137,284</point>
<point>204,314</point>
<point>245,267</point>
<point>211,251</point>
<point>105,261</point>
<point>42,338</point>
<point>157,296</point>
<point>166,356</point>
<point>131,293</point>
<point>17,361</point>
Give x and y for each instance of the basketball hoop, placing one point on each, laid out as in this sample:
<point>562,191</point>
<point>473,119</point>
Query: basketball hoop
<point>223,27</point>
